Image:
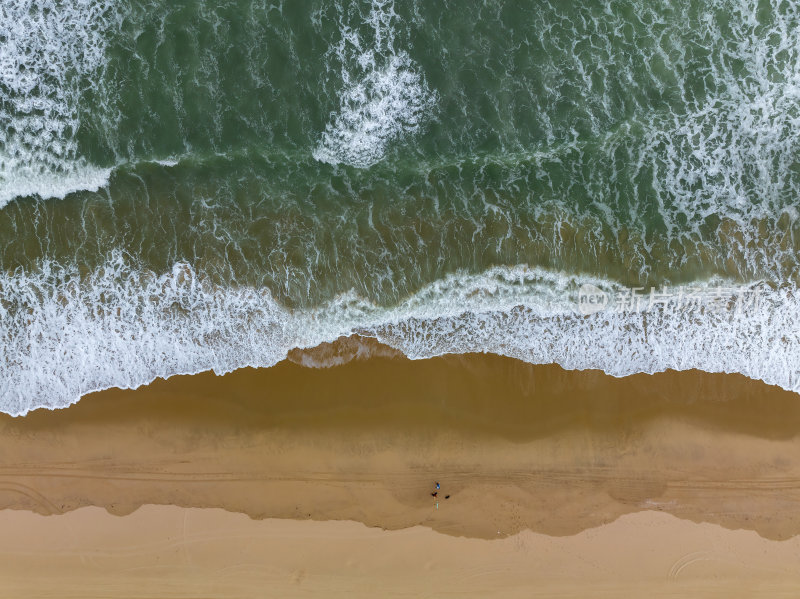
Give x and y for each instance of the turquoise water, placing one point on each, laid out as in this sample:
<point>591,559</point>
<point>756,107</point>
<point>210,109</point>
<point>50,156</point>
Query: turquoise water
<point>205,185</point>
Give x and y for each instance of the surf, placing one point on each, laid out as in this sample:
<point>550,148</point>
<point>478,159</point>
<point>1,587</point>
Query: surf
<point>49,52</point>
<point>67,334</point>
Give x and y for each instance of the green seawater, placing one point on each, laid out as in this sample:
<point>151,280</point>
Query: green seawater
<point>358,164</point>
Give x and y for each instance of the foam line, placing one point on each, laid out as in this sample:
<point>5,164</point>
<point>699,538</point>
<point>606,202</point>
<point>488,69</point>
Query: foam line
<point>65,336</point>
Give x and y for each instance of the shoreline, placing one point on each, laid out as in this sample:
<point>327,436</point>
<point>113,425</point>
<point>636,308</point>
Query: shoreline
<point>534,447</point>
<point>525,313</point>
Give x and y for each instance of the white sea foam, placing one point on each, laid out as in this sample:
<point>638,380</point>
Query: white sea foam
<point>64,336</point>
<point>734,151</point>
<point>168,162</point>
<point>384,98</point>
<point>46,48</point>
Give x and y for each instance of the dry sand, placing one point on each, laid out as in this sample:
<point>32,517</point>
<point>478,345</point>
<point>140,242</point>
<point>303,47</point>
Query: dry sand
<point>520,449</point>
<point>164,552</point>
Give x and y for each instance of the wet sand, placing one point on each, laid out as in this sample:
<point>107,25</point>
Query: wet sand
<point>517,448</point>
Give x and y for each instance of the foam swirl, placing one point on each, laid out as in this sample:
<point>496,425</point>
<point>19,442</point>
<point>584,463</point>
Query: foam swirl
<point>384,97</point>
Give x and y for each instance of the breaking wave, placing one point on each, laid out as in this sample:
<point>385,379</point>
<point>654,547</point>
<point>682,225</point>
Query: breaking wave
<point>66,334</point>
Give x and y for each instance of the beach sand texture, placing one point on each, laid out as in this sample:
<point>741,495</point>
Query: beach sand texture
<point>673,468</point>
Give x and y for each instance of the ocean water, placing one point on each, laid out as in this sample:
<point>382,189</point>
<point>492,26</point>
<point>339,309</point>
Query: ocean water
<point>207,185</point>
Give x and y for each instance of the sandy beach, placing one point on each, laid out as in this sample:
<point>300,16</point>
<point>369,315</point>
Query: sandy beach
<point>187,552</point>
<point>530,456</point>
